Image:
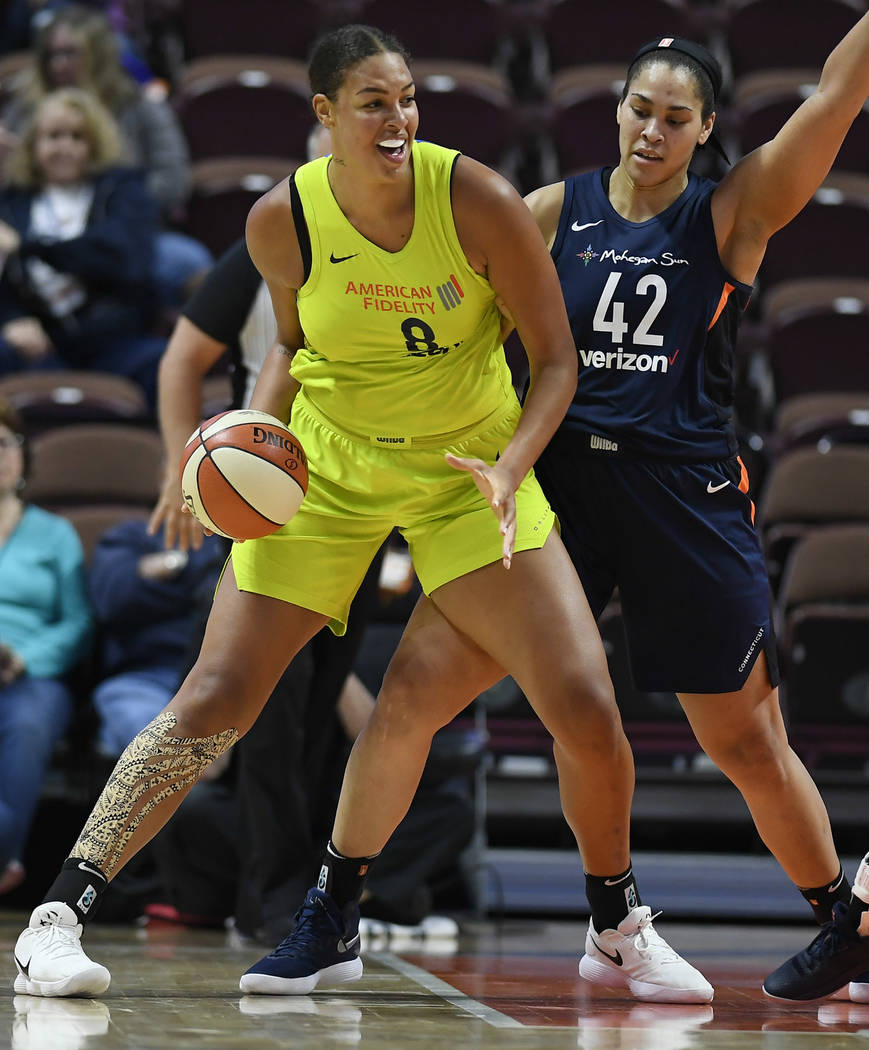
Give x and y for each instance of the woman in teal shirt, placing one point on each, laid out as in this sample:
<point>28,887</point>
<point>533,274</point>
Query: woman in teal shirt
<point>45,627</point>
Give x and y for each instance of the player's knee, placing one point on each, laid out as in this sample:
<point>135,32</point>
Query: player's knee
<point>210,701</point>
<point>750,753</point>
<point>585,715</point>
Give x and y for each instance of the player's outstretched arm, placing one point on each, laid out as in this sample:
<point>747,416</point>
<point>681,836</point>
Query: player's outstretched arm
<point>766,189</point>
<point>186,361</point>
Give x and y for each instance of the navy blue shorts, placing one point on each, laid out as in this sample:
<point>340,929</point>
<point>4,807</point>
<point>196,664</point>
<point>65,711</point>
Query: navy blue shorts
<point>679,542</point>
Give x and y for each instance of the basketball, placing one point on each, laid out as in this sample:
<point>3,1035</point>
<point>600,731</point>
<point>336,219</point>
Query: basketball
<point>243,474</point>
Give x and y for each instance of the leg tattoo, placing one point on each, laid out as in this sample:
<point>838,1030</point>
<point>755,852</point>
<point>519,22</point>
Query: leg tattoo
<point>153,767</point>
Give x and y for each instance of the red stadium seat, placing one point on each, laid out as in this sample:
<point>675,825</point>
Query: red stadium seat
<point>468,107</point>
<point>761,34</point>
<point>582,122</point>
<point>816,335</point>
<point>224,190</point>
<point>823,613</point>
<point>213,27</point>
<point>827,238</point>
<point>576,31</point>
<point>235,105</point>
<point>763,101</point>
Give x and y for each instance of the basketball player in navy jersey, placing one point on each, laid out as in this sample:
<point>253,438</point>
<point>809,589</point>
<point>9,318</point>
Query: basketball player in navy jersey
<point>656,266</point>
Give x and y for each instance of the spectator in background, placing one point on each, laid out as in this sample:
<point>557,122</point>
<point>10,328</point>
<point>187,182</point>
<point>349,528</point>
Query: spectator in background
<point>76,243</point>
<point>146,601</point>
<point>79,48</point>
<point>45,627</point>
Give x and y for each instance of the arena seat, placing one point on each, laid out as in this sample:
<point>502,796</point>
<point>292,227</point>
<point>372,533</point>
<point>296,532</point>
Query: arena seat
<point>92,520</point>
<point>213,27</point>
<point>95,463</point>
<point>456,30</point>
<point>838,417</point>
<point>816,331</point>
<point>240,104</point>
<point>827,238</point>
<point>575,31</point>
<point>809,488</point>
<point>823,613</point>
<point>224,190</point>
<point>48,398</point>
<point>761,34</point>
<point>582,121</point>
<point>469,107</point>
<point>764,100</point>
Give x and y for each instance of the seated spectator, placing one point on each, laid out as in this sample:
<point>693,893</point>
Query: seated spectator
<point>146,602</point>
<point>79,48</point>
<point>45,628</point>
<point>76,237</point>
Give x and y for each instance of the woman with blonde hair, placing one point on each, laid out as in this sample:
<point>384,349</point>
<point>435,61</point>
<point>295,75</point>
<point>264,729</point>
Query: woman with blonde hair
<point>78,48</point>
<point>76,247</point>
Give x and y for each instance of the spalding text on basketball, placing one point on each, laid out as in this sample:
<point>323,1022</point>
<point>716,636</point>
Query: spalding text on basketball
<point>270,437</point>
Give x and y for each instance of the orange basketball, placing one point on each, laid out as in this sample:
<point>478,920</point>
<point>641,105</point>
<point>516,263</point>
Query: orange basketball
<point>243,474</point>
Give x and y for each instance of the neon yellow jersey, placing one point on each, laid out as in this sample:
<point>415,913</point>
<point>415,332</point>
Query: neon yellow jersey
<point>397,343</point>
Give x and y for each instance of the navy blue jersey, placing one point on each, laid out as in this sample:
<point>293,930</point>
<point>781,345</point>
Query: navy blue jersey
<point>654,316</point>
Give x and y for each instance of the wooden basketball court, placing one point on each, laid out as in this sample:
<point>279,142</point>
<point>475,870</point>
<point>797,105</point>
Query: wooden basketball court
<point>505,984</point>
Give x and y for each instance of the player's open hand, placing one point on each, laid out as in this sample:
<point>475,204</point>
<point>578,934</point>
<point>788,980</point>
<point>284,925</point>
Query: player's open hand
<point>500,491</point>
<point>180,528</point>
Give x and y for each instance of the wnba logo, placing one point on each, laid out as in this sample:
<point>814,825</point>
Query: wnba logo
<point>631,896</point>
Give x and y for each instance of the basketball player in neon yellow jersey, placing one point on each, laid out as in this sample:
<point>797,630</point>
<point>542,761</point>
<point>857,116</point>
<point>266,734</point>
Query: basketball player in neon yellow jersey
<point>384,264</point>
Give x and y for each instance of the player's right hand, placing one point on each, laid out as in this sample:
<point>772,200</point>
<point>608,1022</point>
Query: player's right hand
<point>180,528</point>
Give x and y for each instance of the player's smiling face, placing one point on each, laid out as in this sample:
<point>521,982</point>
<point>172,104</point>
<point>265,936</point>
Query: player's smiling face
<point>374,117</point>
<point>660,124</point>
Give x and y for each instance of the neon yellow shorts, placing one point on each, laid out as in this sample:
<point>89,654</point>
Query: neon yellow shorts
<point>359,491</point>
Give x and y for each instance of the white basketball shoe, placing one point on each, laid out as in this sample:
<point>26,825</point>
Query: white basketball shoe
<point>635,956</point>
<point>50,958</point>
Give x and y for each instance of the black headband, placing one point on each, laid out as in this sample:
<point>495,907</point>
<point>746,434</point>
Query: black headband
<point>705,59</point>
<point>687,47</point>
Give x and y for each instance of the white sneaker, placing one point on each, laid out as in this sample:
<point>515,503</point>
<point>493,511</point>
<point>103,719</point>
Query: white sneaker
<point>50,958</point>
<point>858,991</point>
<point>635,956</point>
<point>57,1023</point>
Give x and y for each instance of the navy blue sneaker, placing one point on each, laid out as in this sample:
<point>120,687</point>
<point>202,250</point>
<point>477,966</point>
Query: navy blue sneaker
<point>836,956</point>
<point>323,948</point>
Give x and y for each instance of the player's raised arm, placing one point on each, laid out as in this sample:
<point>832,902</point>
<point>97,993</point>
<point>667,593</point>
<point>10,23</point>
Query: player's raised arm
<point>774,182</point>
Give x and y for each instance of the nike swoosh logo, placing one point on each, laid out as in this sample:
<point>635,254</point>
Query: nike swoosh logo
<point>92,871</point>
<point>348,946</point>
<point>342,258</point>
<point>617,958</point>
<point>578,229</point>
<point>24,968</point>
<point>710,488</point>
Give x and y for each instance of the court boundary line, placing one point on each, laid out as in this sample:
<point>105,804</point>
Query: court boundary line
<point>447,992</point>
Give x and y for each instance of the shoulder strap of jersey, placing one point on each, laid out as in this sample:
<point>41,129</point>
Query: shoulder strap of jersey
<point>301,226</point>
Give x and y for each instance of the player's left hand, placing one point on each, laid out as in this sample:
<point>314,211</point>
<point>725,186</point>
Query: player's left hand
<point>500,491</point>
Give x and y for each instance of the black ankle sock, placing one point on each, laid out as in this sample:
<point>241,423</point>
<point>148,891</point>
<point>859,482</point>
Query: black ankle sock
<point>610,898</point>
<point>343,878</point>
<point>822,898</point>
<point>81,885</point>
